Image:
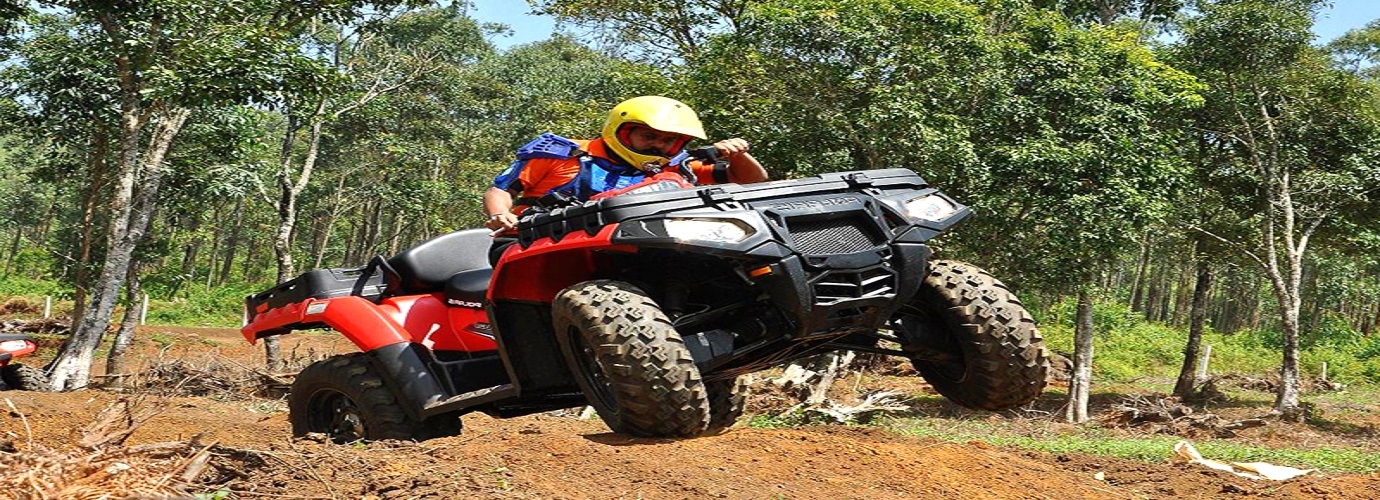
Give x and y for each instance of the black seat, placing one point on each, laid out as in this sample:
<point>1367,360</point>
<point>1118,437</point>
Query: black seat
<point>468,288</point>
<point>427,267</point>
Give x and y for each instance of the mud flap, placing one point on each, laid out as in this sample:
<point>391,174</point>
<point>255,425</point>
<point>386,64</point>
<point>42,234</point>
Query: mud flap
<point>404,368</point>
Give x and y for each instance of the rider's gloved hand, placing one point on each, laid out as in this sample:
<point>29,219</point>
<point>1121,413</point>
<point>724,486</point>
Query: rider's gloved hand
<point>728,148</point>
<point>505,221</point>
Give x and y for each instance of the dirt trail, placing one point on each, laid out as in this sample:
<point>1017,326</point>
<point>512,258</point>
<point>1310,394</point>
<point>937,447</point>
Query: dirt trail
<point>548,456</point>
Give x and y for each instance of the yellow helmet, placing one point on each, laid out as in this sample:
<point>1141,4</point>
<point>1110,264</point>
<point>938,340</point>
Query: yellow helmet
<point>661,113</point>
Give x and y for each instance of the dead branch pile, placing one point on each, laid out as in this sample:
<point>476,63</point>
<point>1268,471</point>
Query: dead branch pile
<point>1271,383</point>
<point>1169,416</point>
<point>19,305</point>
<point>36,326</point>
<point>214,377</point>
<point>872,406</point>
<point>1322,384</point>
<point>100,466</point>
<point>1249,383</point>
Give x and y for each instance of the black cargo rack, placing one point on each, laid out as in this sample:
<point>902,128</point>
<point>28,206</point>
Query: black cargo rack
<point>318,284</point>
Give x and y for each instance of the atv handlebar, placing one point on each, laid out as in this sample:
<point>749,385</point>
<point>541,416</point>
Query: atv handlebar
<point>707,154</point>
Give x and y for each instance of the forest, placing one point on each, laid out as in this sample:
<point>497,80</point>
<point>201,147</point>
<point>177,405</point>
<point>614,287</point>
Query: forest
<point>1203,164</point>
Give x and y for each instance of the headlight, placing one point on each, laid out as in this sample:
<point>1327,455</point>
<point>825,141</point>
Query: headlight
<point>14,345</point>
<point>717,230</point>
<point>931,208</point>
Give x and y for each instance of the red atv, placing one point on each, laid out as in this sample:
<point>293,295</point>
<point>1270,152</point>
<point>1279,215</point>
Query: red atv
<point>17,376</point>
<point>649,305</point>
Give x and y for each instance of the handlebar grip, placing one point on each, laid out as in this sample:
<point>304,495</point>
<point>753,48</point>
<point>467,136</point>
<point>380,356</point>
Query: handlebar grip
<point>707,154</point>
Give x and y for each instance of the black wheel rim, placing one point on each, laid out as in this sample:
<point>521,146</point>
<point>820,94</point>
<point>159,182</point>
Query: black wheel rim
<point>592,372</point>
<point>933,339</point>
<point>337,416</point>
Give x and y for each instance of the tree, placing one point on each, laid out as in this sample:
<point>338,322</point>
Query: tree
<point>1296,135</point>
<point>167,58</point>
<point>1359,50</point>
<point>1143,13</point>
<point>658,31</point>
<point>1060,136</point>
<point>370,59</point>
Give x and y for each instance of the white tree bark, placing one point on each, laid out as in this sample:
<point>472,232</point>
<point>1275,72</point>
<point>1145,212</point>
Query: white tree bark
<point>1081,382</point>
<point>71,369</point>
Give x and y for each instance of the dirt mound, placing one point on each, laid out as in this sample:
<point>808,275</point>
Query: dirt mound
<point>560,456</point>
<point>545,456</point>
<point>19,305</point>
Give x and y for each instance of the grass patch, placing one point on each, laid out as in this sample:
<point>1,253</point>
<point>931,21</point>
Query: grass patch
<point>1127,347</point>
<point>1094,441</point>
<point>218,307</point>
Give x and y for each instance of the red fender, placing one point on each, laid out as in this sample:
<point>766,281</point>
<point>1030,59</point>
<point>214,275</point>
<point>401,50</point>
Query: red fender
<point>359,320</point>
<point>540,271</point>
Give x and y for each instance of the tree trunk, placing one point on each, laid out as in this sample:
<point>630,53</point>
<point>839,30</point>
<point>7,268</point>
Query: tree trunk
<point>71,369</point>
<point>1183,388</point>
<point>1287,402</point>
<point>1151,302</point>
<point>96,166</point>
<point>115,360</point>
<point>187,271</point>
<point>324,238</point>
<point>1081,381</point>
<point>287,212</point>
<point>215,247</point>
<point>371,238</point>
<point>1368,326</point>
<point>14,249</point>
<point>1183,296</point>
<point>1138,283</point>
<point>232,243</point>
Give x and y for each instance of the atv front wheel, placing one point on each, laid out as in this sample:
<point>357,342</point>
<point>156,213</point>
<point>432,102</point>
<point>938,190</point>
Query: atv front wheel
<point>345,398</point>
<point>631,364</point>
<point>972,339</point>
<point>24,378</point>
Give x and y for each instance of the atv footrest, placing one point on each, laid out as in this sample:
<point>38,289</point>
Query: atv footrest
<point>468,399</point>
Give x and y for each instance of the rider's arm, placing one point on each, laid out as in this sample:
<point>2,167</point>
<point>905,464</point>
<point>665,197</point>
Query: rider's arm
<point>498,209</point>
<point>742,167</point>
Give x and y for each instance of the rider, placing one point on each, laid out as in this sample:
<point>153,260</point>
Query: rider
<point>642,136</point>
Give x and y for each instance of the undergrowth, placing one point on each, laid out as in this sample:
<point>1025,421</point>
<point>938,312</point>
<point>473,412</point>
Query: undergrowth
<point>1127,347</point>
<point>1097,441</point>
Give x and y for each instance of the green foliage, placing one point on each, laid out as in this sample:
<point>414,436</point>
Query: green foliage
<point>785,420</point>
<point>1359,50</point>
<point>1128,347</point>
<point>220,307</point>
<point>1062,138</point>
<point>1096,441</point>
<point>20,286</point>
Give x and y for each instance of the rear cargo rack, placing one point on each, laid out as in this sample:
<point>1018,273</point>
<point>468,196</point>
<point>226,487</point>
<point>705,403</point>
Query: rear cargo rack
<point>362,282</point>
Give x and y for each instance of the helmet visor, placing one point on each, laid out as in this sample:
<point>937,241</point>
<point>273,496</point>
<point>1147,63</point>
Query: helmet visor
<point>645,140</point>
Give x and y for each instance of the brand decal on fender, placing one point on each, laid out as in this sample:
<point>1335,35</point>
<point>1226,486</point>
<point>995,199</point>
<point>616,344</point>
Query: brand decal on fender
<point>465,303</point>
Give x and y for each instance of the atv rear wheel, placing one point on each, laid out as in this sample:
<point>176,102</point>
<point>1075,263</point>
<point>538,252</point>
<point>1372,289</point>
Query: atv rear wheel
<point>23,377</point>
<point>631,364</point>
<point>972,339</point>
<point>345,398</point>
<point>727,399</point>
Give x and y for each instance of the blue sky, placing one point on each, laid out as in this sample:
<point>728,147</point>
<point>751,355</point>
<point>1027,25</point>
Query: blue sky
<point>1343,15</point>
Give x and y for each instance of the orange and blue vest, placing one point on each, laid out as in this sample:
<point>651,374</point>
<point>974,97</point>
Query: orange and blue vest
<point>581,169</point>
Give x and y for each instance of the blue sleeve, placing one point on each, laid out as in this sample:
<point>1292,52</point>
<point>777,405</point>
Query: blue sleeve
<point>508,178</point>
